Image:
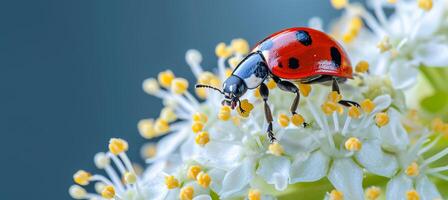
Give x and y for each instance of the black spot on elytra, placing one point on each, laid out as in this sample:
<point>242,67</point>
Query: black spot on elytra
<point>266,45</point>
<point>304,38</point>
<point>335,56</point>
<point>293,63</point>
<point>280,65</point>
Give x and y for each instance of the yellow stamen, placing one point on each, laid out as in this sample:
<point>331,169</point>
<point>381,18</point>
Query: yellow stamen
<point>349,37</point>
<point>413,170</point>
<point>336,195</point>
<point>117,146</point>
<point>77,192</point>
<point>130,178</point>
<point>202,138</point>
<point>165,78</point>
<point>384,45</point>
<point>240,46</point>
<point>186,193</point>
<point>193,171</point>
<point>108,192</point>
<point>247,107</point>
<point>412,195</point>
<point>392,1</point>
<point>297,119</point>
<point>222,50</point>
<point>146,128</point>
<point>200,117</point>
<point>362,66</point>
<point>276,149</point>
<point>233,62</point>
<point>257,93</point>
<point>171,182</point>
<point>425,5</point>
<point>356,24</point>
<point>339,4</point>
<point>367,106</point>
<point>82,177</point>
<point>329,107</point>
<point>224,113</point>
<point>437,124</point>
<point>354,112</point>
<point>353,144</point>
<point>236,120</point>
<point>372,193</point>
<point>254,194</point>
<point>197,126</point>
<point>334,97</point>
<point>161,126</point>
<point>179,85</point>
<point>228,72</point>
<point>381,119</point>
<point>201,92</point>
<point>151,86</point>
<point>283,120</point>
<point>148,150</point>
<point>271,84</point>
<point>203,179</point>
<point>304,89</point>
<point>168,114</point>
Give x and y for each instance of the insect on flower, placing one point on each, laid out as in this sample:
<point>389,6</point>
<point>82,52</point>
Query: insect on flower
<point>302,55</point>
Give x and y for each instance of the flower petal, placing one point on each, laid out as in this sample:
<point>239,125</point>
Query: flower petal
<point>397,187</point>
<point>217,176</point>
<point>375,160</point>
<point>238,178</point>
<point>381,103</point>
<point>426,189</point>
<point>311,169</point>
<point>346,176</point>
<point>275,170</point>
<point>433,54</point>
<point>403,74</point>
<point>394,137</point>
<point>202,197</point>
<point>220,154</point>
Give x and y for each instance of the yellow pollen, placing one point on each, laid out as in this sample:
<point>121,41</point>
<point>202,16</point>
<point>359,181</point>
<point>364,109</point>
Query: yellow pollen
<point>168,114</point>
<point>276,149</point>
<point>186,193</point>
<point>108,192</point>
<point>257,93</point>
<point>304,89</point>
<point>77,192</point>
<point>384,45</point>
<point>171,182</point>
<point>336,195</point>
<point>356,23</point>
<point>329,107</point>
<point>437,125</point>
<point>130,178</point>
<point>205,77</point>
<point>425,5</point>
<point>201,92</point>
<point>349,37</point>
<point>193,171</point>
<point>283,120</point>
<point>146,128</point>
<point>148,150</point>
<point>236,120</point>
<point>412,170</point>
<point>353,144</point>
<point>179,85</point>
<point>372,193</point>
<point>297,119</point>
<point>165,78</point>
<point>222,50</point>
<point>367,106</point>
<point>151,86</point>
<point>161,126</point>
<point>203,179</point>
<point>354,112</point>
<point>117,146</point>
<point>197,126</point>
<point>233,62</point>
<point>247,107</point>
<point>271,84</point>
<point>240,46</point>
<point>228,72</point>
<point>339,4</point>
<point>362,66</point>
<point>381,119</point>
<point>392,1</point>
<point>224,113</point>
<point>412,195</point>
<point>200,117</point>
<point>334,97</point>
<point>202,138</point>
<point>254,194</point>
<point>82,177</point>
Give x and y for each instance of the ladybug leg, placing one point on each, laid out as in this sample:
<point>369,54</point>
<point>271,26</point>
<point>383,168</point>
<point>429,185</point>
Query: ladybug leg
<point>335,87</point>
<point>290,87</point>
<point>264,92</point>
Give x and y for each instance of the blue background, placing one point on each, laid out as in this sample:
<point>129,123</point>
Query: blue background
<point>71,73</point>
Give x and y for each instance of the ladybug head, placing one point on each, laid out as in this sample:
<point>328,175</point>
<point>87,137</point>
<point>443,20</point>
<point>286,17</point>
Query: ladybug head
<point>233,88</point>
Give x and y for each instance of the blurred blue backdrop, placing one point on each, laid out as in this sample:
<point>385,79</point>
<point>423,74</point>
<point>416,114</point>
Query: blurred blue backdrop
<point>71,73</point>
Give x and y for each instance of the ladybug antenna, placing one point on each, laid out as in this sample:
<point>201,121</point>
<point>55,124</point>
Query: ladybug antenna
<point>208,86</point>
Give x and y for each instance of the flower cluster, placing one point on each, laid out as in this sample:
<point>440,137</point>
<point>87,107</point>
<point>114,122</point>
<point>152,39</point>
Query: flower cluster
<point>208,151</point>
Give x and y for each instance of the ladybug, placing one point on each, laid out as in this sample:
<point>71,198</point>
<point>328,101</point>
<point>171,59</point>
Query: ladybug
<point>300,54</point>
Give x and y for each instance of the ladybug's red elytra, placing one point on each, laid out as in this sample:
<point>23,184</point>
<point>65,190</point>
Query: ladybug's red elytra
<point>298,54</point>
